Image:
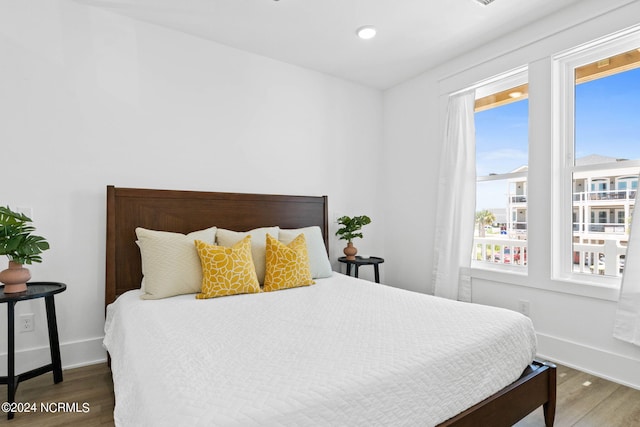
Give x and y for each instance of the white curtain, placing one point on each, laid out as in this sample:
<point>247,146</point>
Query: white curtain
<point>627,322</point>
<point>456,203</point>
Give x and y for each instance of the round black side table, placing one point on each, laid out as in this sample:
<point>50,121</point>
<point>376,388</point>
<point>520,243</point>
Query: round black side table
<point>374,260</point>
<point>34,290</point>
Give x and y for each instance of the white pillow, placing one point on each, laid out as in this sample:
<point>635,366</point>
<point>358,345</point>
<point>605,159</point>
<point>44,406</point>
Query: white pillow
<point>318,259</point>
<point>258,245</point>
<point>170,262</point>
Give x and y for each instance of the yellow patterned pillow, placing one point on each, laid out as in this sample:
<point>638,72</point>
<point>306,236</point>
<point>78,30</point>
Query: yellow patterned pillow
<point>227,271</point>
<point>287,265</point>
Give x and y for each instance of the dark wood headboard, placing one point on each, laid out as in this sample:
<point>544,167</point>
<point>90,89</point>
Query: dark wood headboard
<point>186,211</point>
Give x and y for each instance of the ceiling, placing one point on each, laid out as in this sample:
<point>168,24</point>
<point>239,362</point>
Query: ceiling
<point>413,35</point>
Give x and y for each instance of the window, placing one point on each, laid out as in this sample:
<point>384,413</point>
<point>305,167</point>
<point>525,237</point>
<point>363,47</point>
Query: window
<point>598,156</point>
<point>502,128</point>
<point>627,183</point>
<point>599,185</point>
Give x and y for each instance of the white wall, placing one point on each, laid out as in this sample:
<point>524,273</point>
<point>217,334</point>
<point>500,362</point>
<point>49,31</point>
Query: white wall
<point>572,329</point>
<point>89,98</point>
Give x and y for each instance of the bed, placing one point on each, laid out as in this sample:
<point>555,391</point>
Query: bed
<point>340,352</point>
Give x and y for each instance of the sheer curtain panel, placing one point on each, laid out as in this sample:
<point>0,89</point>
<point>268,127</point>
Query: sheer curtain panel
<point>456,200</point>
<point>627,323</point>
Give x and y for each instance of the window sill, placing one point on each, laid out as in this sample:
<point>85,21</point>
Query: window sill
<point>480,269</point>
<point>569,285</point>
<point>587,287</point>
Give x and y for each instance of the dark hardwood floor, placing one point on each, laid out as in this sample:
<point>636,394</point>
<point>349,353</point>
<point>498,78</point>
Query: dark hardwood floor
<point>583,401</point>
<point>90,384</point>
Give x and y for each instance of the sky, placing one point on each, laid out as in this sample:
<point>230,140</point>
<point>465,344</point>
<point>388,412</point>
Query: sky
<point>502,138</point>
<point>608,115</point>
<point>607,123</point>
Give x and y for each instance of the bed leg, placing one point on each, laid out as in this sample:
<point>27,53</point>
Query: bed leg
<point>550,406</point>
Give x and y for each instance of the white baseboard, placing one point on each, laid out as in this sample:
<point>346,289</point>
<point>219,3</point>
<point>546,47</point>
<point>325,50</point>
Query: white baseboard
<point>604,364</point>
<point>73,355</point>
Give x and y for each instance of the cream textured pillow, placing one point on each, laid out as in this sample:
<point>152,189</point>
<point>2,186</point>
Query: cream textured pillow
<point>258,244</point>
<point>170,263</point>
<point>318,258</point>
<point>287,265</point>
<point>227,271</point>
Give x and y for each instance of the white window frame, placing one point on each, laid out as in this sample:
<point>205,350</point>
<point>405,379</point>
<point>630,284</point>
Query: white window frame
<point>499,83</point>
<point>564,65</point>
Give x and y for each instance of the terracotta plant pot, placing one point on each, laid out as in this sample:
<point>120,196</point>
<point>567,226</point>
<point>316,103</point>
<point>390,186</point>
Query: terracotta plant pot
<point>15,278</point>
<point>350,251</point>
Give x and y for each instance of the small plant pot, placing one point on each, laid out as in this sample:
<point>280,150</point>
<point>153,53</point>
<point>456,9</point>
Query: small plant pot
<point>15,278</point>
<point>350,251</point>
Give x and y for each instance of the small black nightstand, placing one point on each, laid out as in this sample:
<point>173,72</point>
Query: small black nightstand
<point>34,290</point>
<point>375,261</point>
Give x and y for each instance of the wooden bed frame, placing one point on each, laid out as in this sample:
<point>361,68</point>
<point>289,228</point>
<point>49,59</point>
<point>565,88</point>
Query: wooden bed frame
<point>186,211</point>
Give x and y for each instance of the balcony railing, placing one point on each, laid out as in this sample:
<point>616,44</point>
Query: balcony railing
<point>519,225</point>
<point>599,227</point>
<point>605,259</point>
<point>518,198</point>
<point>629,194</point>
<point>500,251</point>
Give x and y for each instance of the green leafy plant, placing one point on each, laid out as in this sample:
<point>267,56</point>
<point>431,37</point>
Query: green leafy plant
<point>351,227</point>
<point>16,240</point>
<point>483,218</point>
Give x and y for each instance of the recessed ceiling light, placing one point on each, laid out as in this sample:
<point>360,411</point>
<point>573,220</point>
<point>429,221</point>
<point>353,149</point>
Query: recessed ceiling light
<point>367,32</point>
<point>516,94</point>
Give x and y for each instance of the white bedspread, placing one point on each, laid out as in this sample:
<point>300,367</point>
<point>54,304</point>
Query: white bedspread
<point>344,352</point>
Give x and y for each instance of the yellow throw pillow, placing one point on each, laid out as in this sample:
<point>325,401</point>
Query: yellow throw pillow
<point>287,265</point>
<point>229,238</point>
<point>227,271</point>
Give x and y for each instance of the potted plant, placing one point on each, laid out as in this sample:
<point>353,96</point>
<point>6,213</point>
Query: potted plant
<point>20,246</point>
<point>350,230</point>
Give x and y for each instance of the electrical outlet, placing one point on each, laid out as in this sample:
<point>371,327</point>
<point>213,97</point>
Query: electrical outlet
<point>523,307</point>
<point>26,323</point>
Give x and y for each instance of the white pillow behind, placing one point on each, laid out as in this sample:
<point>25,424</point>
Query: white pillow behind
<point>170,262</point>
<point>258,245</point>
<point>318,258</point>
